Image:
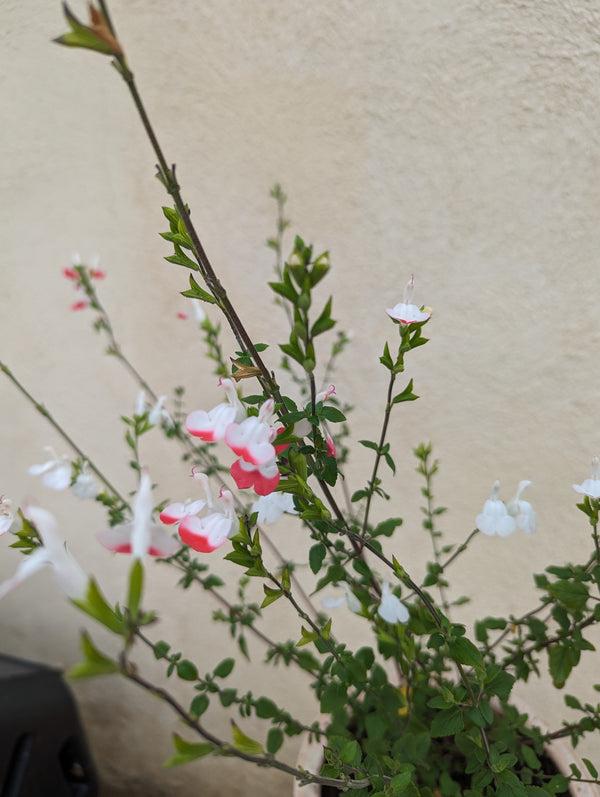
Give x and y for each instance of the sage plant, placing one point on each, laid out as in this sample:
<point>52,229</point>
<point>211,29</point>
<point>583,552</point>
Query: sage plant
<point>424,707</point>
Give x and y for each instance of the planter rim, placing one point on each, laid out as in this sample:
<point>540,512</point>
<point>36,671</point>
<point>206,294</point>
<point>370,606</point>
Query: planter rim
<point>310,757</point>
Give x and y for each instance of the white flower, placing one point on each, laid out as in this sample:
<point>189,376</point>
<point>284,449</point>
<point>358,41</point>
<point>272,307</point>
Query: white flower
<point>494,518</point>
<point>85,485</point>
<point>348,598</point>
<point>140,404</point>
<point>7,514</point>
<point>55,473</point>
<point>405,312</point>
<point>522,511</point>
<point>271,507</point>
<point>158,413</point>
<point>53,551</point>
<point>142,536</point>
<point>198,309</point>
<point>391,609</point>
<point>211,426</point>
<point>591,486</point>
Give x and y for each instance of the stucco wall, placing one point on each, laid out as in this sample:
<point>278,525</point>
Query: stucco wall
<point>455,140</point>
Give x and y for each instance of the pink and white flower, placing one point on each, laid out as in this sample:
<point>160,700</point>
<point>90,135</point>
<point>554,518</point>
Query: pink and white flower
<point>252,438</point>
<point>141,536</point>
<point>7,514</point>
<point>391,609</point>
<point>211,426</point>
<point>270,508</point>
<point>206,534</point>
<point>494,519</point>
<point>405,312</point>
<point>179,510</point>
<point>591,486</point>
<point>55,472</point>
<point>522,511</point>
<point>264,478</point>
<point>54,553</point>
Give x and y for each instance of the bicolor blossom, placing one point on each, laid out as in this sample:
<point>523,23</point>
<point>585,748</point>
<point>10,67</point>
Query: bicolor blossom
<point>206,534</point>
<point>211,426</point>
<point>405,312</point>
<point>7,514</point>
<point>55,473</point>
<point>177,511</point>
<point>348,598</point>
<point>141,536</point>
<point>591,486</point>
<point>264,478</point>
<point>522,511</point>
<point>270,508</point>
<point>391,609</point>
<point>252,438</point>
<point>52,552</point>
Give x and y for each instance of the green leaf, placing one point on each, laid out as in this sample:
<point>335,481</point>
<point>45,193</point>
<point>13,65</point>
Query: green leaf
<point>136,587</point>
<point>95,605</point>
<point>196,292</point>
<point>529,757</point>
<point>274,740</point>
<point>561,660</point>
<point>271,595</point>
<point>350,752</point>
<point>265,708</point>
<point>332,414</point>
<point>386,527</point>
<point>161,648</point>
<point>95,663</point>
<point>224,668</point>
<point>181,259</point>
<point>400,783</point>
<point>447,723</point>
<point>244,743</point>
<point>590,768</point>
<point>187,670</point>
<point>323,322</point>
<point>188,751</point>
<point>316,555</point>
<point>405,395</point>
<point>464,651</point>
<point>199,705</point>
<point>572,594</point>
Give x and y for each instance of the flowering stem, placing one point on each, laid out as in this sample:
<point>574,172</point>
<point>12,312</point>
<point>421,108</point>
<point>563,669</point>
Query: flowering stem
<point>378,454</point>
<point>70,442</point>
<point>130,671</point>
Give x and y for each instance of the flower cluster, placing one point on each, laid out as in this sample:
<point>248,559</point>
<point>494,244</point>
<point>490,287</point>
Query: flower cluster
<point>77,272</point>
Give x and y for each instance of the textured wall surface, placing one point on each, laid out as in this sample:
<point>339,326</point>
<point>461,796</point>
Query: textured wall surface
<point>454,139</point>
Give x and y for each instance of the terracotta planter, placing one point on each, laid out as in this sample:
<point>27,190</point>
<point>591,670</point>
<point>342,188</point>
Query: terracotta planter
<point>559,751</point>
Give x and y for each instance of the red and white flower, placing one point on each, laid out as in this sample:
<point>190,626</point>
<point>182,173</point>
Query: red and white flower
<point>591,486</point>
<point>54,553</point>
<point>271,507</point>
<point>252,438</point>
<point>179,510</point>
<point>206,534</point>
<point>211,426</point>
<point>263,478</point>
<point>141,536</point>
<point>405,312</point>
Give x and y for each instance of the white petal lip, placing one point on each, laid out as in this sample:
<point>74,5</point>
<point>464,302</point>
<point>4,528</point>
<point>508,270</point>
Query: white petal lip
<point>391,609</point>
<point>271,507</point>
<point>142,517</point>
<point>407,313</point>
<point>589,487</point>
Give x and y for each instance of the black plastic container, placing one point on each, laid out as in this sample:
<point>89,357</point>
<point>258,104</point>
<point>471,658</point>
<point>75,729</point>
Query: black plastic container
<point>43,751</point>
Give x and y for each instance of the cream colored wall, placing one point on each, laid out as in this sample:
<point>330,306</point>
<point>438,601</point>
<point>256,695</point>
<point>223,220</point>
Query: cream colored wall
<point>458,140</point>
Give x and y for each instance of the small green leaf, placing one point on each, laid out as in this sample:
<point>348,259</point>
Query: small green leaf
<point>316,555</point>
<point>187,670</point>
<point>188,751</point>
<point>224,668</point>
<point>199,705</point>
<point>95,605</point>
<point>274,740</point>
<point>196,292</point>
<point>136,587</point>
<point>94,663</point>
<point>244,743</point>
<point>405,395</point>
